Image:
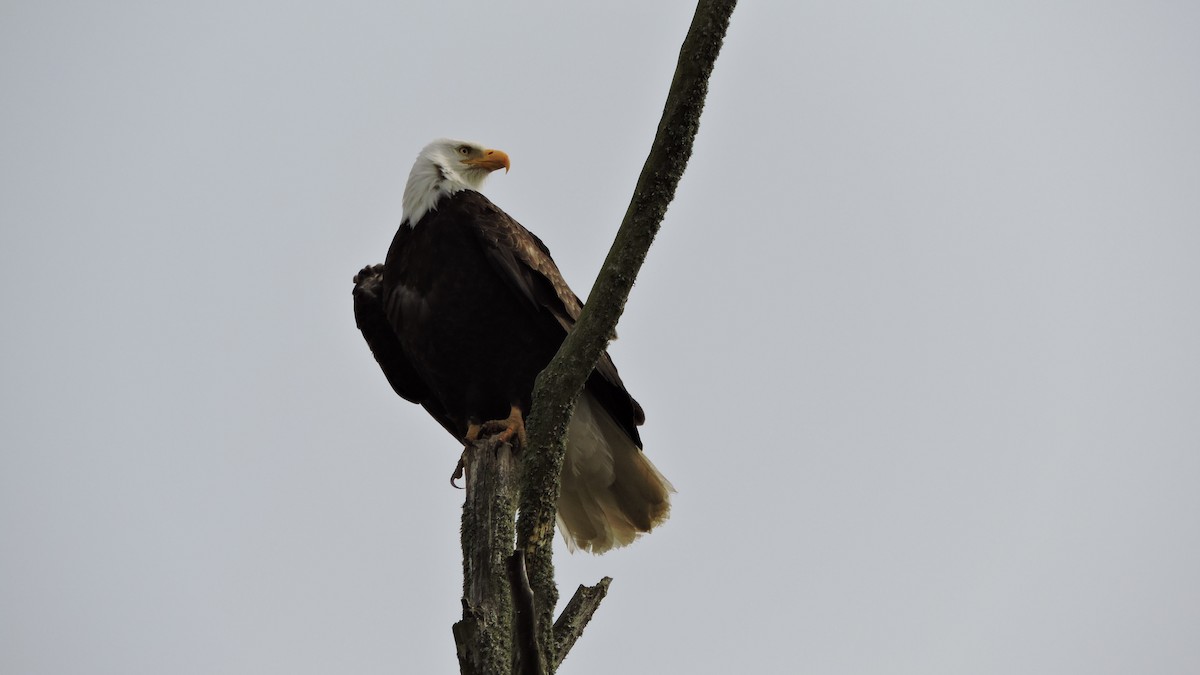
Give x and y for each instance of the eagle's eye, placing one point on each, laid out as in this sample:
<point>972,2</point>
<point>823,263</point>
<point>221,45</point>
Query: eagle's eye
<point>464,150</point>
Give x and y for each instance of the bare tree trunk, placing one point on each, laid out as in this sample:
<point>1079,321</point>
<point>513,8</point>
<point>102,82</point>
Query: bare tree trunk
<point>484,636</point>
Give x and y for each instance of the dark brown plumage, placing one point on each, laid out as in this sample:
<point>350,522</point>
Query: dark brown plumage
<point>463,315</point>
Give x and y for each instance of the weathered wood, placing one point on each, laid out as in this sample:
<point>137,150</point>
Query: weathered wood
<point>575,617</point>
<point>558,386</point>
<point>528,656</point>
<point>484,637</point>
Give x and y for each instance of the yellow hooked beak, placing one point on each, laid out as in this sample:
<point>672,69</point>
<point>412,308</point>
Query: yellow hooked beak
<point>490,160</point>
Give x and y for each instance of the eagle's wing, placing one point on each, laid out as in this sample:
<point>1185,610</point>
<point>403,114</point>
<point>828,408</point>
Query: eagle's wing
<point>525,264</point>
<point>611,491</point>
<point>372,320</point>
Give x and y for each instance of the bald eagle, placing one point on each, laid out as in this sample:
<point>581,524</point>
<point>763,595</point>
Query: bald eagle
<point>467,310</point>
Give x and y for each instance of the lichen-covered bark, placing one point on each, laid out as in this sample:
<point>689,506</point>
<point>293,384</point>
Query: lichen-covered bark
<point>560,383</point>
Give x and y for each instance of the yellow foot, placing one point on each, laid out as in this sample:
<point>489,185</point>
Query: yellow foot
<point>506,429</point>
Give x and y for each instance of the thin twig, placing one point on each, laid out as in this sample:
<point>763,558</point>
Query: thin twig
<point>575,617</point>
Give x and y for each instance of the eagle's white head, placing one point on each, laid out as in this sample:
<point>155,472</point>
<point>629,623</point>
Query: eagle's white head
<point>444,167</point>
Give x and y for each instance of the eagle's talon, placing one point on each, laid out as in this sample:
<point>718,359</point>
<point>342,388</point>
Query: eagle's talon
<point>459,470</point>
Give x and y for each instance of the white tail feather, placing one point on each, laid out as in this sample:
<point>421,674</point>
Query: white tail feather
<point>611,492</point>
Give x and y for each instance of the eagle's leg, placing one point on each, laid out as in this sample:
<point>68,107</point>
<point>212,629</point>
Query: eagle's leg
<point>505,430</point>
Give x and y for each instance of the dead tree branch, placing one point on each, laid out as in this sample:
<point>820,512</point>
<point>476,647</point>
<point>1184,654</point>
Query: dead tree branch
<point>575,617</point>
<point>559,384</point>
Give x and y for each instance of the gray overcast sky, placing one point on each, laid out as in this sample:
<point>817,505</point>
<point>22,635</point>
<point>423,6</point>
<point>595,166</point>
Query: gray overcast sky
<point>919,343</point>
